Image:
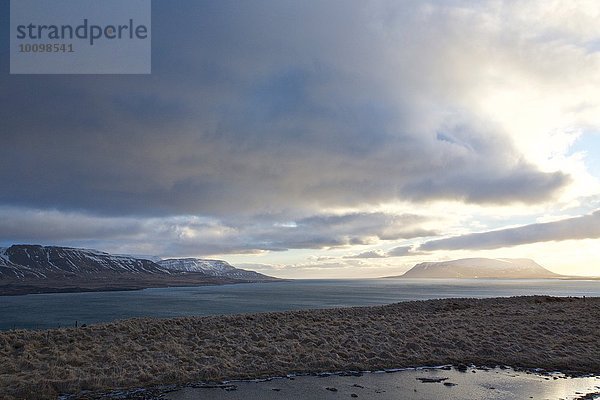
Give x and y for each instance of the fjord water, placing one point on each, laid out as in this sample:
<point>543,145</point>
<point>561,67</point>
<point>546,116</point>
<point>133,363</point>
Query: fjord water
<point>42,311</point>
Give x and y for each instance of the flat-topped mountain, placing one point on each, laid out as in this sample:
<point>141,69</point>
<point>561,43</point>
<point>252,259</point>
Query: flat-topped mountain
<point>41,269</point>
<point>500,268</point>
<point>211,267</point>
<point>32,261</point>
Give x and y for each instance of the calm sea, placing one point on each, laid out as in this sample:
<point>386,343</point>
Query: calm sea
<point>53,310</point>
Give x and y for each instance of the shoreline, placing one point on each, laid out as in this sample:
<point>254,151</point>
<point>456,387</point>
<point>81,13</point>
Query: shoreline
<point>553,333</point>
<point>160,391</point>
<point>25,289</point>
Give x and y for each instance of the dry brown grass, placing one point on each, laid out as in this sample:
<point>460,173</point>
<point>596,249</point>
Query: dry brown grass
<point>551,333</point>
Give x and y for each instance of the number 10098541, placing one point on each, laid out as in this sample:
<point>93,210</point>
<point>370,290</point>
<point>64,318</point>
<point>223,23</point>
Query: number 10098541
<point>46,48</point>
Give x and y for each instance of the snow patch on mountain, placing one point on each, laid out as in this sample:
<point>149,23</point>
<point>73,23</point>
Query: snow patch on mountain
<point>152,258</point>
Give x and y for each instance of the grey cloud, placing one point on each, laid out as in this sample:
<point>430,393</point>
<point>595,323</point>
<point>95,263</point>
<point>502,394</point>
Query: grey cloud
<point>369,254</point>
<point>328,231</point>
<point>266,106</point>
<point>400,251</point>
<point>333,264</point>
<point>583,227</point>
<point>381,225</point>
<point>188,235</point>
<point>39,225</point>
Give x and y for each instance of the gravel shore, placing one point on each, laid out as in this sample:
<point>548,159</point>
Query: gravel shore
<point>531,332</point>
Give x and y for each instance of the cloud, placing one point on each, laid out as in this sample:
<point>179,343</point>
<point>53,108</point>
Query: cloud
<point>369,254</point>
<point>272,106</point>
<point>583,227</point>
<point>189,235</point>
<point>276,125</point>
<point>400,251</point>
<point>320,231</point>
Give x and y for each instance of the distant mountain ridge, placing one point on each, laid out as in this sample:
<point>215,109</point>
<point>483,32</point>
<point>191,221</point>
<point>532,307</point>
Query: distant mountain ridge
<point>473,268</point>
<point>38,269</point>
<point>210,267</point>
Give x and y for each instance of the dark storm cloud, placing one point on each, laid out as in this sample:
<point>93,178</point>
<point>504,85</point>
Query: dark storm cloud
<point>262,106</point>
<point>584,227</point>
<point>24,225</point>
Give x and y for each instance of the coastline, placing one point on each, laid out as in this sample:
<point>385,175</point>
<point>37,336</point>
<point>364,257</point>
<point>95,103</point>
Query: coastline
<point>527,332</point>
<point>419,383</point>
<point>125,285</point>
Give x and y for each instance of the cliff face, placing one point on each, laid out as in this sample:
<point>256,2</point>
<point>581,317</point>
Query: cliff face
<point>505,268</point>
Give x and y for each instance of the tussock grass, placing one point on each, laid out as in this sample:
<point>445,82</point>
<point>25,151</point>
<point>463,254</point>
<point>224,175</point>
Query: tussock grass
<point>542,332</point>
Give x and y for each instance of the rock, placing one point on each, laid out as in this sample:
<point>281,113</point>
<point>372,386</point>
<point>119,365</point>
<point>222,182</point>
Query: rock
<point>461,368</point>
<point>432,380</point>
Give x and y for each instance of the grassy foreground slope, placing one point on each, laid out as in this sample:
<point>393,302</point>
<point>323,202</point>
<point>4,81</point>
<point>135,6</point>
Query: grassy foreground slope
<point>544,332</point>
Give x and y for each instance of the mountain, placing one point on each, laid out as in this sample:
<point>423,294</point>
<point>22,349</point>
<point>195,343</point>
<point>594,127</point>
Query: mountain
<point>42,269</point>
<point>33,261</point>
<point>212,268</point>
<point>501,268</point>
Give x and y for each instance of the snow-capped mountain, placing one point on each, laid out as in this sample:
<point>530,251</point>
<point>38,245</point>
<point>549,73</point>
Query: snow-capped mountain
<point>23,261</point>
<point>211,267</point>
<point>507,268</point>
<point>41,269</point>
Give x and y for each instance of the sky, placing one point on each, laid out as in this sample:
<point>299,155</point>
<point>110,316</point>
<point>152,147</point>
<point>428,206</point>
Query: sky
<point>321,138</point>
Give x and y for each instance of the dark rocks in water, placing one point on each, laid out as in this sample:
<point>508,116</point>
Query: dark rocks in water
<point>461,368</point>
<point>331,389</point>
<point>432,380</point>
